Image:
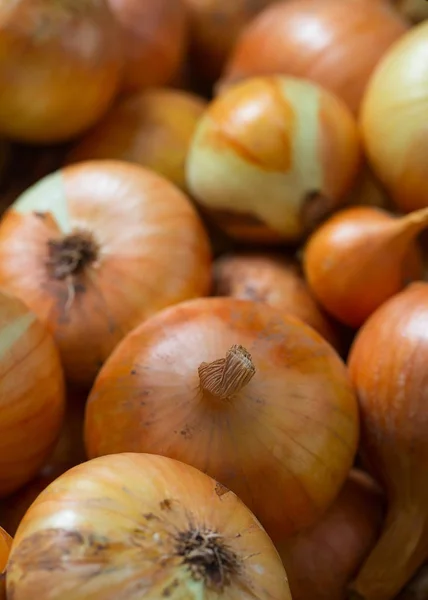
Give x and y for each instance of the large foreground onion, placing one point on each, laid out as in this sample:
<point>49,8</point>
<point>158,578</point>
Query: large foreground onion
<point>253,397</point>
<point>97,247</point>
<point>59,67</point>
<point>32,394</point>
<point>136,526</point>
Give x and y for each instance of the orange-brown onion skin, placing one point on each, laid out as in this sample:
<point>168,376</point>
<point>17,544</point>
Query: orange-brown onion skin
<point>336,44</point>
<point>107,528</point>
<point>5,544</point>
<point>271,156</point>
<point>395,104</point>
<point>276,280</point>
<point>152,128</point>
<point>32,394</point>
<point>153,252</point>
<point>154,40</point>
<point>60,67</point>
<point>321,561</point>
<point>284,444</point>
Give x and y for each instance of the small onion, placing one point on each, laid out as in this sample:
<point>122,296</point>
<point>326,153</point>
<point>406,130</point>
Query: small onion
<point>152,128</point>
<point>60,66</point>
<point>271,157</point>
<point>135,526</point>
<point>97,247</point>
<point>336,43</point>
<point>395,105</point>
<point>278,426</point>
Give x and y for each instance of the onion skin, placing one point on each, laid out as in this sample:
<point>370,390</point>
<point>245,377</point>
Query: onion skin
<point>275,280</point>
<point>60,68</point>
<point>335,44</point>
<point>416,11</point>
<point>154,38</point>
<point>152,128</point>
<point>152,396</point>
<point>388,368</point>
<point>395,103</point>
<point>360,258</point>
<point>32,395</point>
<point>5,544</point>
<point>271,157</point>
<point>136,218</point>
<point>115,528</point>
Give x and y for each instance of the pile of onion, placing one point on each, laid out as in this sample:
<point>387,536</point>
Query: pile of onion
<point>271,157</point>
<point>395,105</point>
<point>97,247</point>
<point>5,544</point>
<point>336,43</point>
<point>388,368</point>
<point>60,67</point>
<point>154,40</point>
<point>152,128</point>
<point>139,526</point>
<point>250,395</point>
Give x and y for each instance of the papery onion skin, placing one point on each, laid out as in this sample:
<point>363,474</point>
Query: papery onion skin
<point>321,561</point>
<point>284,443</point>
<point>154,40</point>
<point>388,367</point>
<point>116,527</point>
<point>150,251</point>
<point>60,67</point>
<point>152,128</point>
<point>32,394</point>
<point>271,157</point>
<point>335,44</point>
<point>395,105</point>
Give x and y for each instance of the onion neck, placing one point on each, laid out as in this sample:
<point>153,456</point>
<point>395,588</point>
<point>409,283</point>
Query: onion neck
<point>408,227</point>
<point>226,377</point>
<point>70,255</point>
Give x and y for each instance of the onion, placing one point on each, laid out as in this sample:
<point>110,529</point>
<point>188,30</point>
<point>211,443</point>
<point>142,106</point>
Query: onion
<point>138,526</point>
<point>31,395</point>
<point>388,367</point>
<point>278,426</point>
<point>395,105</point>
<point>321,561</point>
<point>97,247</point>
<point>60,67</point>
<point>154,38</point>
<point>336,44</point>
<point>5,544</point>
<point>152,128</point>
<point>361,257</point>
<point>275,280</point>
<point>271,157</point>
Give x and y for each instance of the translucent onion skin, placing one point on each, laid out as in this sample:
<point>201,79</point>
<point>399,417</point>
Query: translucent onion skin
<point>135,526</point>
<point>335,44</point>
<point>388,368</point>
<point>32,394</point>
<point>271,157</point>
<point>395,105</point>
<point>60,67</point>
<point>152,128</point>
<point>154,40</point>
<point>147,250</point>
<point>283,441</point>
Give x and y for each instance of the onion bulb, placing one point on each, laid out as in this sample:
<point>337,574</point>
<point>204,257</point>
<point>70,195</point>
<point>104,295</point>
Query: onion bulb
<point>152,128</point>
<point>321,561</point>
<point>60,67</point>
<point>336,44</point>
<point>5,544</point>
<point>275,280</point>
<point>388,368</point>
<point>243,392</point>
<point>139,526</point>
<point>97,247</point>
<point>32,396</point>
<point>154,40</point>
<point>395,105</point>
<point>271,157</point>
<point>360,257</point>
